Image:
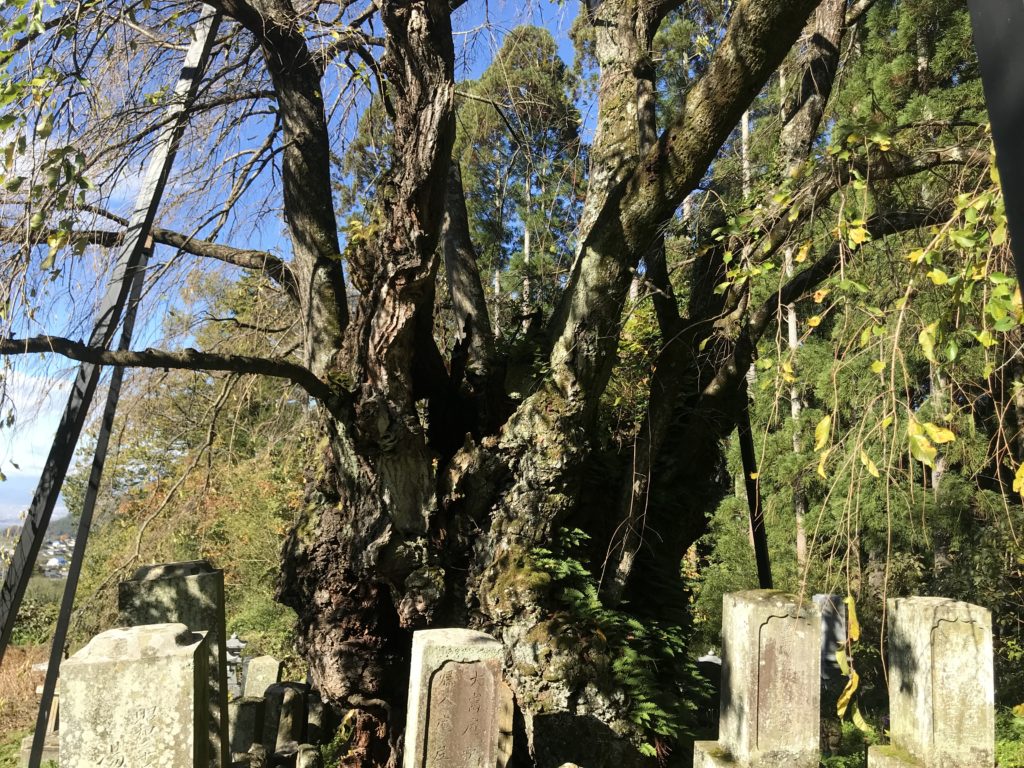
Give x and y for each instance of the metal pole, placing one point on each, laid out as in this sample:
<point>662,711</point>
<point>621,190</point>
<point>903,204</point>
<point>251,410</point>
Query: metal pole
<point>998,29</point>
<point>125,269</point>
<point>753,485</point>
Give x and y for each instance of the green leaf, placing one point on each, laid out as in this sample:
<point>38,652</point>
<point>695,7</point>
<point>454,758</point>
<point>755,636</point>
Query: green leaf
<point>927,340</point>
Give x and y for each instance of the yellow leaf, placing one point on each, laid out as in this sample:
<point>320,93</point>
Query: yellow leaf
<point>844,665</point>
<point>803,253</point>
<point>887,422</point>
<point>819,296</point>
<point>869,464</point>
<point>847,694</point>
<point>858,236</point>
<point>754,475</point>
<point>916,257</point>
<point>1018,711</point>
<point>858,720</point>
<point>938,277</point>
<point>1018,480</point>
<point>821,464</point>
<point>852,625</point>
<point>821,432</point>
<point>939,434</point>
<point>922,450</point>
<point>815,321</point>
<point>877,367</point>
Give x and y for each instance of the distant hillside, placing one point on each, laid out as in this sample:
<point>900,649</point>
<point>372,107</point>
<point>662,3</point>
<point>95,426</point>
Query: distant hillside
<point>58,527</point>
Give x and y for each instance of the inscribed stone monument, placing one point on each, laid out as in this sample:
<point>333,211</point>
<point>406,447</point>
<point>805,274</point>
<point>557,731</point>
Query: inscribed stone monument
<point>136,697</point>
<point>455,700</point>
<point>941,688</point>
<point>191,593</point>
<point>771,651</point>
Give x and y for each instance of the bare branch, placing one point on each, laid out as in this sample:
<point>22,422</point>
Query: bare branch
<point>188,359</point>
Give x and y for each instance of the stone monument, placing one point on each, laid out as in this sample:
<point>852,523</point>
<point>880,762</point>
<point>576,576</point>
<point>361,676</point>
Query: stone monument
<point>456,697</point>
<point>941,687</point>
<point>191,593</point>
<point>136,697</point>
<point>771,652</point>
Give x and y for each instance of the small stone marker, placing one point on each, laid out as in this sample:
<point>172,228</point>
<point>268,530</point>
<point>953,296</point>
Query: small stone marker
<point>261,673</point>
<point>315,731</point>
<point>941,688</point>
<point>284,719</point>
<point>308,756</point>
<point>771,651</point>
<point>455,700</point>
<point>245,723</point>
<point>191,593</point>
<point>136,697</point>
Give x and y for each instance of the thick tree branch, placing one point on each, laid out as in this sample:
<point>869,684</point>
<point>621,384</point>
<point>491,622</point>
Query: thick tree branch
<point>188,359</point>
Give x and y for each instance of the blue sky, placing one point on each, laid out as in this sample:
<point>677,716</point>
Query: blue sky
<point>39,392</point>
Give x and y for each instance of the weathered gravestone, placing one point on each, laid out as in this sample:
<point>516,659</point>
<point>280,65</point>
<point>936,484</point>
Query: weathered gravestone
<point>284,719</point>
<point>191,593</point>
<point>771,651</point>
<point>136,697</point>
<point>245,723</point>
<point>458,704</point>
<point>261,673</point>
<point>941,688</point>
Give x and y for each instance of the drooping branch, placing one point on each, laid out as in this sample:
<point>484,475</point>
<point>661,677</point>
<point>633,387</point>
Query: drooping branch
<point>188,359</point>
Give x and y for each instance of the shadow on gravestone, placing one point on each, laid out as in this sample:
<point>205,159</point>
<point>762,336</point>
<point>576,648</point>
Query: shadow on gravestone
<point>191,593</point>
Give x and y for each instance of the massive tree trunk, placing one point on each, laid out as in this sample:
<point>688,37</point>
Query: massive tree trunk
<point>433,493</point>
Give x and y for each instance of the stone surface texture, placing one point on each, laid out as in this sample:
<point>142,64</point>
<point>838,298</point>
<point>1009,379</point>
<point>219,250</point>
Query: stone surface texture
<point>261,673</point>
<point>245,723</point>
<point>771,653</point>
<point>941,685</point>
<point>191,593</point>
<point>455,700</point>
<point>136,697</point>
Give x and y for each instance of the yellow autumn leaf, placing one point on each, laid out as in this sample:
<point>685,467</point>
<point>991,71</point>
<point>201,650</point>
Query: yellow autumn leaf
<point>847,694</point>
<point>938,277</point>
<point>869,464</point>
<point>814,321</point>
<point>858,236</point>
<point>852,624</point>
<point>877,367</point>
<point>821,464</point>
<point>1018,480</point>
<point>803,253</point>
<point>858,720</point>
<point>916,257</point>
<point>922,450</point>
<point>939,434</point>
<point>820,295</point>
<point>821,432</point>
<point>927,340</point>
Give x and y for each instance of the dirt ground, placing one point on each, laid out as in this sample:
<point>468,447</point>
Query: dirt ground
<point>18,700</point>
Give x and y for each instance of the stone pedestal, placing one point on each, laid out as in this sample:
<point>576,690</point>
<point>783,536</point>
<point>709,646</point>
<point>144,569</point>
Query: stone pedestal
<point>136,697</point>
<point>455,700</point>
<point>941,689</point>
<point>261,673</point>
<point>771,652</point>
<point>191,593</point>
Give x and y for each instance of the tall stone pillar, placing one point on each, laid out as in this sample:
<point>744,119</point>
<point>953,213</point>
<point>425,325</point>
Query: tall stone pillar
<point>191,593</point>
